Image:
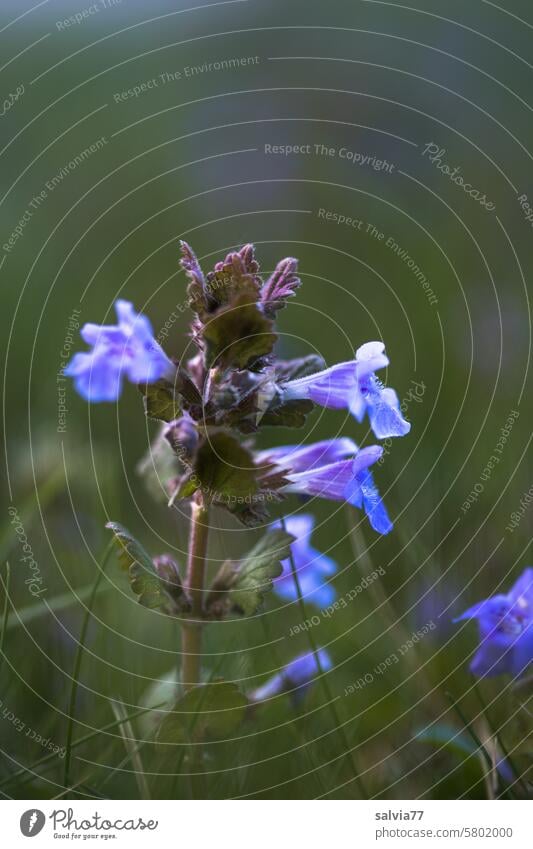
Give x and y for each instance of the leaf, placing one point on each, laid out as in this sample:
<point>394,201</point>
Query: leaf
<point>235,276</point>
<point>280,286</point>
<point>225,469</point>
<point>237,335</point>
<point>213,710</point>
<point>290,414</point>
<point>196,289</point>
<point>257,570</point>
<point>217,602</point>
<point>448,736</point>
<point>167,571</point>
<point>161,401</point>
<point>133,558</point>
<point>300,367</point>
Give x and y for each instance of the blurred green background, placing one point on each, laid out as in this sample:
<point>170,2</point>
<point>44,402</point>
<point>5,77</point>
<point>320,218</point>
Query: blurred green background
<point>185,158</point>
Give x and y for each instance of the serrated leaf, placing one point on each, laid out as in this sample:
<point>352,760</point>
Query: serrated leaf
<point>258,569</point>
<point>235,276</point>
<point>280,286</point>
<point>237,335</point>
<point>161,401</point>
<point>138,563</point>
<point>196,290</point>
<point>210,711</point>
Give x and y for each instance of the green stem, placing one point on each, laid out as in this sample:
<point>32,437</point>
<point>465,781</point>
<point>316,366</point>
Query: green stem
<point>323,680</point>
<point>77,666</point>
<point>191,632</point>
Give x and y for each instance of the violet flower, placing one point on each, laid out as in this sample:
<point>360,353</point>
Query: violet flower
<point>505,630</point>
<point>342,480</point>
<point>353,385</point>
<point>127,349</point>
<point>296,676</point>
<point>300,458</point>
<point>311,565</point>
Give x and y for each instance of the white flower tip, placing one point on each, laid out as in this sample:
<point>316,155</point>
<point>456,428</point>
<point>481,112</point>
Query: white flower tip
<point>369,350</point>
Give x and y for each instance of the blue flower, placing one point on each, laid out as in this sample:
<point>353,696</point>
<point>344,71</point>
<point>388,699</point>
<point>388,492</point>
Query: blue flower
<point>295,678</point>
<point>300,458</point>
<point>505,630</point>
<point>354,385</point>
<point>347,479</point>
<point>311,566</point>
<point>125,349</point>
<point>362,492</point>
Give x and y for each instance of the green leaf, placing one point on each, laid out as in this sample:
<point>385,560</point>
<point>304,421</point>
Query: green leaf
<point>225,469</point>
<point>213,710</point>
<point>257,570</point>
<point>133,558</point>
<point>237,335</point>
<point>291,414</point>
<point>444,735</point>
<point>300,367</point>
<point>161,401</point>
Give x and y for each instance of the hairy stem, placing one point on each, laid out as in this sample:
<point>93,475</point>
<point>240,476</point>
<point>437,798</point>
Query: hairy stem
<point>191,632</point>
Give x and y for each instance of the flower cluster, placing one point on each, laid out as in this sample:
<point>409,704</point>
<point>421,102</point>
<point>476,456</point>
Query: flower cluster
<point>234,383</point>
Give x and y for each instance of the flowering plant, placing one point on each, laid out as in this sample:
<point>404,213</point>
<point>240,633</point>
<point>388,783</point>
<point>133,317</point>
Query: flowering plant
<point>209,410</point>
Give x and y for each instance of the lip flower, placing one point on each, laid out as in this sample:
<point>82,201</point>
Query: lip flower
<point>505,629</point>
<point>125,349</point>
<point>312,566</point>
<point>347,479</point>
<point>354,385</point>
<point>300,458</point>
<point>295,678</point>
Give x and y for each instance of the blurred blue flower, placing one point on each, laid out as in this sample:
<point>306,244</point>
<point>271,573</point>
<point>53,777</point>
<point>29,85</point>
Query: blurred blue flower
<point>354,385</point>
<point>125,349</point>
<point>311,566</point>
<point>295,678</point>
<point>505,629</point>
<point>342,480</point>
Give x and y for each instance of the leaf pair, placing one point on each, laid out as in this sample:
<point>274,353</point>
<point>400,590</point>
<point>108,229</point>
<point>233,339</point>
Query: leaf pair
<point>239,588</point>
<point>156,583</point>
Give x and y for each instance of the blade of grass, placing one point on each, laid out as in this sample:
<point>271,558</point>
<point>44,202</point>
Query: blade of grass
<point>47,761</point>
<point>322,678</point>
<point>299,733</point>
<point>471,732</point>
<point>132,748</point>
<point>77,664</point>
<point>499,741</point>
<point>5,614</point>
<point>47,489</point>
<point>59,602</point>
